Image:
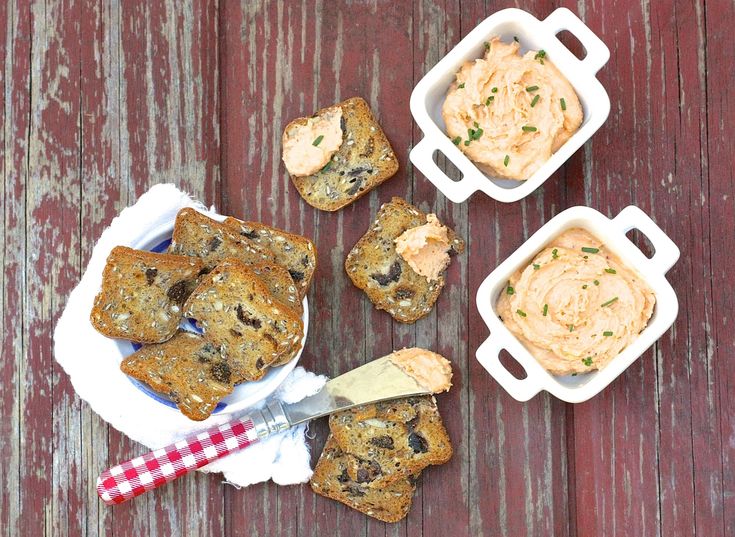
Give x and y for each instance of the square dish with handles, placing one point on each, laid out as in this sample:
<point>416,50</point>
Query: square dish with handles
<point>579,388</point>
<point>428,97</point>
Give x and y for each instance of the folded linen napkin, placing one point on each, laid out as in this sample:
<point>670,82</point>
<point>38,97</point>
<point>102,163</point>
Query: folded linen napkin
<point>92,362</point>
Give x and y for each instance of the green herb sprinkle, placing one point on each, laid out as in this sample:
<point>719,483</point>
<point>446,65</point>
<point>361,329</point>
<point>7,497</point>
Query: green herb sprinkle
<point>590,250</point>
<point>611,301</point>
<point>535,100</point>
<point>318,140</point>
<point>521,313</point>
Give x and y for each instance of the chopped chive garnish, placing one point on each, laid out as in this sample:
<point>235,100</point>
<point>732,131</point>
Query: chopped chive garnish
<point>587,361</point>
<point>489,100</point>
<point>574,374</point>
<point>510,290</point>
<point>318,140</point>
<point>590,250</point>
<point>529,128</point>
<point>554,253</point>
<point>584,286</point>
<point>474,134</point>
<point>506,160</point>
<point>540,55</point>
<point>457,140</point>
<point>487,45</point>
<point>531,89</point>
<point>326,166</point>
<point>494,90</point>
<point>521,313</point>
<point>546,309</point>
<point>596,282</point>
<point>611,271</point>
<point>614,299</point>
<point>563,103</point>
<point>571,328</point>
<point>607,333</point>
<point>535,100</point>
<point>461,85</point>
<point>466,142</point>
<point>536,266</point>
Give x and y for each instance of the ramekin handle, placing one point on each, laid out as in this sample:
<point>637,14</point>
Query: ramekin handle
<point>422,156</point>
<point>666,252</point>
<point>597,51</point>
<point>488,354</point>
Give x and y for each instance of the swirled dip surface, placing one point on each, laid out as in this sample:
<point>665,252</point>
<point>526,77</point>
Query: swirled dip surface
<point>309,143</point>
<point>509,113</point>
<point>431,370</point>
<point>576,306</point>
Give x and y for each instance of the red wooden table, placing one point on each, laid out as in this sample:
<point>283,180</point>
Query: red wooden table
<point>101,99</point>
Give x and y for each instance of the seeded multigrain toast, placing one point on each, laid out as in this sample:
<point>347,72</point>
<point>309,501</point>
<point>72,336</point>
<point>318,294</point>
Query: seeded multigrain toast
<point>187,369</point>
<point>391,440</point>
<point>197,235</point>
<point>238,314</point>
<point>390,283</point>
<point>143,293</point>
<point>280,284</point>
<point>331,479</point>
<point>364,160</point>
<point>294,252</point>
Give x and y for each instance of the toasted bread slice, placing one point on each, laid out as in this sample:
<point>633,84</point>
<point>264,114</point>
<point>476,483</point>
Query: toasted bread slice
<point>238,314</point>
<point>364,160</point>
<point>331,479</point>
<point>280,284</point>
<point>294,252</point>
<point>187,369</point>
<point>143,293</point>
<point>197,235</point>
<point>391,440</point>
<point>390,283</point>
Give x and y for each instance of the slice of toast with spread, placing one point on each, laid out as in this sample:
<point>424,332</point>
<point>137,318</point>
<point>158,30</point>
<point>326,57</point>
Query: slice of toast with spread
<point>143,293</point>
<point>294,252</point>
<point>391,440</point>
<point>331,479</point>
<point>363,161</point>
<point>197,235</point>
<point>240,317</point>
<point>390,283</point>
<point>187,369</point>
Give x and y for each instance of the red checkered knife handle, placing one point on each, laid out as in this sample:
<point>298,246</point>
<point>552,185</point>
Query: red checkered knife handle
<point>141,474</point>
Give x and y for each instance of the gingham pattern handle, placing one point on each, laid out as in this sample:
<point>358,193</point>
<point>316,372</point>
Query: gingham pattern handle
<point>141,474</point>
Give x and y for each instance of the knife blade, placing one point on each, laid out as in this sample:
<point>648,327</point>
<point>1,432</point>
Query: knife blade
<point>376,381</point>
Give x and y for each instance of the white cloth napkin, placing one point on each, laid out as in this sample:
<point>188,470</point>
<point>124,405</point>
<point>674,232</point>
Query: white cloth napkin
<point>92,362</point>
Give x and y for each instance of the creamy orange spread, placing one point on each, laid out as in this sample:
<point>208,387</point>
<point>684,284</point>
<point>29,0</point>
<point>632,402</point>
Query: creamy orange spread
<point>308,145</point>
<point>425,248</point>
<point>431,370</point>
<point>576,306</point>
<point>509,113</point>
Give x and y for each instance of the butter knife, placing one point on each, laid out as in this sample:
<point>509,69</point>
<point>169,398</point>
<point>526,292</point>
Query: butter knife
<point>378,380</point>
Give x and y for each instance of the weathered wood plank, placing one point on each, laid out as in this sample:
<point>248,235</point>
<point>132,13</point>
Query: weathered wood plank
<point>15,31</point>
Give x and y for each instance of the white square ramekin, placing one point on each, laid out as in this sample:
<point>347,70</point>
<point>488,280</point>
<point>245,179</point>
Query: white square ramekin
<point>575,389</point>
<point>428,97</point>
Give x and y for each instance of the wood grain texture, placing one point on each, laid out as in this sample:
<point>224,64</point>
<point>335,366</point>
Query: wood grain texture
<point>103,98</point>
